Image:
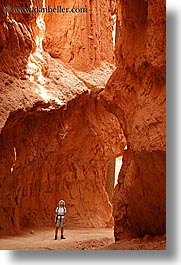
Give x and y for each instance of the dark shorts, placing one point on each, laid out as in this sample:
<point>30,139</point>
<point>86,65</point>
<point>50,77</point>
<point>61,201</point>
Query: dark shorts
<point>60,221</point>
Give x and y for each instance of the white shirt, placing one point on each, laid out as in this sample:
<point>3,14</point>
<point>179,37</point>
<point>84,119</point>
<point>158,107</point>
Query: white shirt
<point>60,210</point>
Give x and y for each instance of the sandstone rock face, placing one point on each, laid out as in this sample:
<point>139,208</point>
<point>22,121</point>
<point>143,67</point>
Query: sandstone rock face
<point>135,93</point>
<point>17,39</point>
<point>59,132</point>
<point>81,40</point>
<point>56,139</point>
<point>50,152</point>
<point>56,142</point>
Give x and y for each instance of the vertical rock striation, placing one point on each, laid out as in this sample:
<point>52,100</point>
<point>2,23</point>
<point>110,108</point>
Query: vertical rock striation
<point>50,152</point>
<point>56,139</point>
<point>59,133</point>
<point>82,40</point>
<point>136,94</point>
<point>16,38</point>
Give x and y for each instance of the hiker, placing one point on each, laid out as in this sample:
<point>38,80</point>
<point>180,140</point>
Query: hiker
<point>60,218</point>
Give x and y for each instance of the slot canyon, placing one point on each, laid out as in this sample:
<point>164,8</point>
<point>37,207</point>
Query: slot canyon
<point>78,91</point>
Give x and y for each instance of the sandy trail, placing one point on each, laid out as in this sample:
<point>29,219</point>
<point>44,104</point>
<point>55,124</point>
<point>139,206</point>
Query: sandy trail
<point>43,239</point>
<point>79,239</point>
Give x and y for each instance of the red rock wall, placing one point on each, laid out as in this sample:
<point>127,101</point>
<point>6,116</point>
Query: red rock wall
<point>80,40</point>
<point>16,37</point>
<point>50,150</point>
<point>136,94</point>
<point>60,153</point>
<point>56,140</point>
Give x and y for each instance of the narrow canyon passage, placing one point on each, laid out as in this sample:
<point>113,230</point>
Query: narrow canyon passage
<point>57,140</point>
<point>82,118</point>
<point>59,152</point>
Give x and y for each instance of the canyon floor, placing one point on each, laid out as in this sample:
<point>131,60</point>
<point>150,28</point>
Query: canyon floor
<point>78,239</point>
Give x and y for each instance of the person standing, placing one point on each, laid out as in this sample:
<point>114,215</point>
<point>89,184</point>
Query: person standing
<point>60,218</point>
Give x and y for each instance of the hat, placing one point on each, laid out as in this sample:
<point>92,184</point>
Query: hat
<point>62,201</point>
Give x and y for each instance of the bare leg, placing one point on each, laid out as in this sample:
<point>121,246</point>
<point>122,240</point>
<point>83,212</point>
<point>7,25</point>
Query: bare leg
<point>61,231</point>
<point>56,232</point>
<point>62,237</point>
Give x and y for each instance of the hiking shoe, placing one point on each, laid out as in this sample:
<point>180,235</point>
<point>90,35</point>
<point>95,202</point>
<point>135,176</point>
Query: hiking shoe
<point>55,237</point>
<point>62,237</point>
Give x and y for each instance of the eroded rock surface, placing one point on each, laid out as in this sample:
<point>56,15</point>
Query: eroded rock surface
<point>59,132</point>
<point>50,152</point>
<point>135,93</point>
<point>56,139</point>
<point>18,32</point>
<point>56,142</point>
<point>85,38</point>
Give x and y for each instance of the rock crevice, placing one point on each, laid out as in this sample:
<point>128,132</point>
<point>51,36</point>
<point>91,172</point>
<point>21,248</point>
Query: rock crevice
<point>135,93</point>
<point>63,122</point>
